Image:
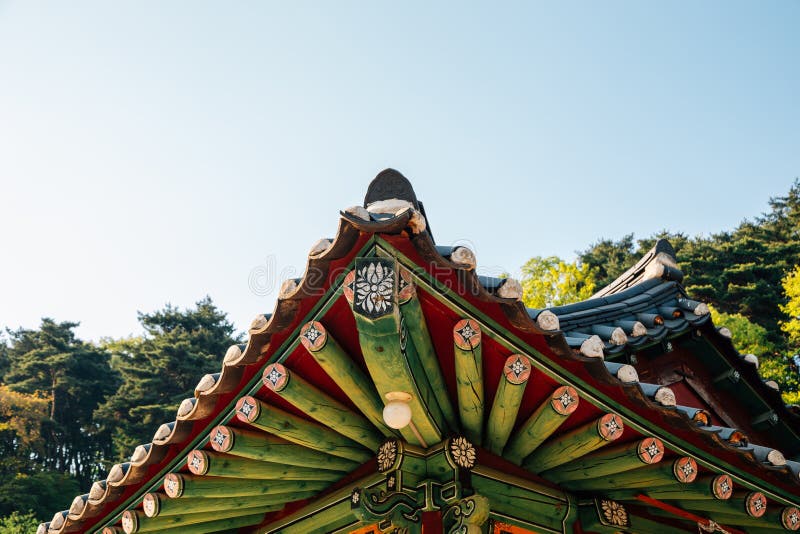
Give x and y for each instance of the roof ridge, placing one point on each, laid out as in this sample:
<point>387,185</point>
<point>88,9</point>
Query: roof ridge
<point>659,262</point>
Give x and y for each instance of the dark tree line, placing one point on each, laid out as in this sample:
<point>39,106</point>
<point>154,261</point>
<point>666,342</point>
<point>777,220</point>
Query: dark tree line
<point>738,271</point>
<point>69,409</point>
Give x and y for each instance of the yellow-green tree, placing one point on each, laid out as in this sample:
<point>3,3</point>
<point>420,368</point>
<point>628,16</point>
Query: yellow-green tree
<point>552,281</point>
<point>791,288</point>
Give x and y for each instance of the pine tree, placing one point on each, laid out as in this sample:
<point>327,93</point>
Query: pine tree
<point>160,368</point>
<point>74,377</point>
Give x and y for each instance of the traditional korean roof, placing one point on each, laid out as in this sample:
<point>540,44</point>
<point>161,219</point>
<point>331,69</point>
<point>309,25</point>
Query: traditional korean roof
<point>629,411</point>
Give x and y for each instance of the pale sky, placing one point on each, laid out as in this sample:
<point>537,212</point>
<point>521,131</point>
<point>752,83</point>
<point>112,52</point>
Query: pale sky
<point>155,152</point>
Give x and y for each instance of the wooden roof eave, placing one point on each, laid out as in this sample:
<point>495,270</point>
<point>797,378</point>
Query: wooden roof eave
<point>351,230</point>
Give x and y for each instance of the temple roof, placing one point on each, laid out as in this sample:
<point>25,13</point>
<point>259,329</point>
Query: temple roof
<point>593,348</point>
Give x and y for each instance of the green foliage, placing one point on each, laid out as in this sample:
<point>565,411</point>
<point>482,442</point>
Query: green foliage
<point>739,271</point>
<point>65,400</point>
<point>42,493</point>
<point>749,275</point>
<point>751,338</point>
<point>748,337</point>
<point>21,417</point>
<point>160,369</point>
<point>608,259</point>
<point>552,282</point>
<point>791,288</point>
<point>74,378</point>
<point>4,363</point>
<point>17,523</point>
<point>780,368</point>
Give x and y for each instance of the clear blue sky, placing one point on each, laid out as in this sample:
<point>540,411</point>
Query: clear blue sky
<point>155,152</point>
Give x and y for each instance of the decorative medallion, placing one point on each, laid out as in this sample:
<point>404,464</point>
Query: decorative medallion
<point>405,286</point>
<point>221,439</point>
<point>790,518</point>
<point>467,334</point>
<point>130,523</point>
<point>610,427</point>
<point>197,462</point>
<point>348,286</point>
<point>150,504</point>
<point>313,336</point>
<point>613,513</point>
<point>517,369</point>
<point>173,486</point>
<point>388,455</point>
<point>247,409</point>
<point>275,377</point>
<point>722,487</point>
<point>651,450</point>
<point>684,469</point>
<point>564,400</point>
<point>461,452</point>
<point>375,287</point>
<point>756,504</point>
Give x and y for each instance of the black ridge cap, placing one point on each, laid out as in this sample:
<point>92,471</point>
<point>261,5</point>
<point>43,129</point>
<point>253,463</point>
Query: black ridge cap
<point>390,183</point>
<point>659,258</point>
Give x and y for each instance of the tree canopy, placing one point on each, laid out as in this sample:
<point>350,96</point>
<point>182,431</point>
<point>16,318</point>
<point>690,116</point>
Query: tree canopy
<point>160,368</point>
<point>750,276</point>
<point>67,406</point>
<point>552,282</point>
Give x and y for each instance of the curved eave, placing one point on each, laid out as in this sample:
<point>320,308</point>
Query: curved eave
<point>509,323</point>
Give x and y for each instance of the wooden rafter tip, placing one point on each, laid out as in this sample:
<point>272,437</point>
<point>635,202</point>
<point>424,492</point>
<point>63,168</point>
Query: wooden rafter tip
<point>276,377</point>
<point>313,336</point>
